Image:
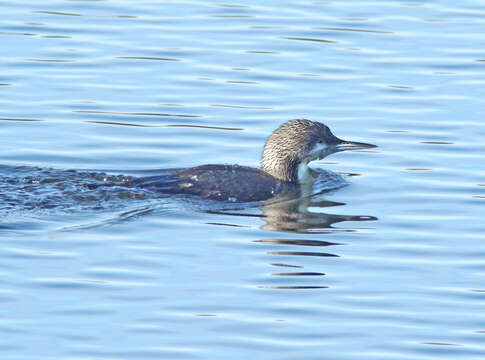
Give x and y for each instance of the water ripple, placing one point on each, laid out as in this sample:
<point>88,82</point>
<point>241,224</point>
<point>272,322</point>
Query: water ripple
<point>388,266</point>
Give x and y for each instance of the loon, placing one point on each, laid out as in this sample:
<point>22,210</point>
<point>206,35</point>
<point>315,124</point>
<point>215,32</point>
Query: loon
<point>284,166</point>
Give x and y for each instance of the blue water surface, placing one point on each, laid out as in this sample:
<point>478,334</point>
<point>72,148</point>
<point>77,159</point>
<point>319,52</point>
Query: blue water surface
<point>390,266</point>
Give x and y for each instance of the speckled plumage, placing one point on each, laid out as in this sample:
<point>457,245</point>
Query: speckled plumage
<point>290,144</point>
<point>232,183</point>
<point>283,166</point>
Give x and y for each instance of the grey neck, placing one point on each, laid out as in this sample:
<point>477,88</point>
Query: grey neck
<point>290,147</point>
<point>284,169</point>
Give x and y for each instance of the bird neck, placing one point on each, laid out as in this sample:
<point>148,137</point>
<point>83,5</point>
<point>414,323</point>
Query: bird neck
<point>287,169</point>
<point>304,174</point>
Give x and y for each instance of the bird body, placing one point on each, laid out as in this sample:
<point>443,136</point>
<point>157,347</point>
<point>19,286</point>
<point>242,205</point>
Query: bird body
<point>284,166</point>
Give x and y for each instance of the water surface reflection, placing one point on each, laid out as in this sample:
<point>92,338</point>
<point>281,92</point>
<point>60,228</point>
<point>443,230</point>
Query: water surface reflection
<point>307,215</point>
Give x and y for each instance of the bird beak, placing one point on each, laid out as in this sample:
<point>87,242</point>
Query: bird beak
<point>343,145</point>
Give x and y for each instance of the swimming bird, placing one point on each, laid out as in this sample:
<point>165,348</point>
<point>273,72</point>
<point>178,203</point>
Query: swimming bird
<point>284,166</point>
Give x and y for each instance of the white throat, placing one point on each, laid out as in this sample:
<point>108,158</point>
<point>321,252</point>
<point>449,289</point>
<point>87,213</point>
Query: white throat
<point>304,175</point>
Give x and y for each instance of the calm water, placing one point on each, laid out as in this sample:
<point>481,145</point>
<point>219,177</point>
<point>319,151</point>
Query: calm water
<point>389,267</point>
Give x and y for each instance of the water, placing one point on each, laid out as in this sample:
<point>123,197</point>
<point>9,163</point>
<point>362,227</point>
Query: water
<point>388,267</point>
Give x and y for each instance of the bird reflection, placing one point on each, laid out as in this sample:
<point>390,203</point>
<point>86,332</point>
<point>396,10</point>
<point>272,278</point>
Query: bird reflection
<point>296,216</point>
<point>302,215</point>
<point>295,213</point>
<point>310,215</point>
